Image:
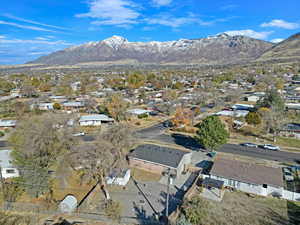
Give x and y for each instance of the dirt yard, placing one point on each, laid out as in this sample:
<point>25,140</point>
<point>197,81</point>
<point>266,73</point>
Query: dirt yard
<point>239,209</point>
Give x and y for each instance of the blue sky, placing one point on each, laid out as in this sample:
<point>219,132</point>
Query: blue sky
<point>32,28</point>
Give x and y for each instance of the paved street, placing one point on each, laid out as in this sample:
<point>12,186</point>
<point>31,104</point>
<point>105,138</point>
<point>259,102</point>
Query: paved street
<point>280,156</point>
<point>152,131</point>
<point>156,133</point>
<point>3,144</point>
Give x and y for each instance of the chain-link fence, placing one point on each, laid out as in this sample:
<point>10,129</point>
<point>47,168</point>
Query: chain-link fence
<point>42,211</point>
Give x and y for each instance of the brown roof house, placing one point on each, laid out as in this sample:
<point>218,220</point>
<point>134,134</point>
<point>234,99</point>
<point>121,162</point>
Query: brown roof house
<point>248,177</point>
<point>158,159</point>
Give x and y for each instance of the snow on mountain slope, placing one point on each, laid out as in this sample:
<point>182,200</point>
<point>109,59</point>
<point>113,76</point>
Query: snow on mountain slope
<point>218,49</point>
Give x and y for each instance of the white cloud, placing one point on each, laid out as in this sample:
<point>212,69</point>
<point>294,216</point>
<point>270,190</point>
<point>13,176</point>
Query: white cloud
<point>161,2</point>
<point>49,36</point>
<point>2,36</point>
<point>277,40</point>
<point>27,27</point>
<point>13,51</point>
<point>39,53</point>
<point>281,24</point>
<point>250,33</point>
<point>112,12</point>
<point>175,22</point>
<point>42,39</point>
<point>34,41</point>
<point>32,22</point>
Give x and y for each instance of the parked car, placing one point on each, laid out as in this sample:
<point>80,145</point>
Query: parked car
<point>271,147</point>
<point>79,134</point>
<point>167,123</point>
<point>212,154</point>
<point>249,145</point>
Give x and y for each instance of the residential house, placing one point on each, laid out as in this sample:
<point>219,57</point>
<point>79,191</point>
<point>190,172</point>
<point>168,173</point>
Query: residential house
<point>6,98</point>
<point>94,120</point>
<point>252,98</point>
<point>75,85</point>
<point>236,113</point>
<point>7,169</point>
<point>73,106</point>
<point>243,107</point>
<point>7,124</point>
<point>15,93</point>
<point>43,106</point>
<point>248,177</point>
<point>138,112</point>
<point>292,106</point>
<point>158,159</point>
<point>58,98</point>
<point>291,130</point>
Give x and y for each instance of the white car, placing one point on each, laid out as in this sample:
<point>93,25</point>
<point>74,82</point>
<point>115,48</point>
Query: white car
<point>79,134</point>
<point>249,145</point>
<point>271,147</point>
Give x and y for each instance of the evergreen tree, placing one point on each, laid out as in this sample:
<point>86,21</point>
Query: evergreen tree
<point>212,133</point>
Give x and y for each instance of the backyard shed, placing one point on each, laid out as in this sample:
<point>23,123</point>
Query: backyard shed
<point>68,205</point>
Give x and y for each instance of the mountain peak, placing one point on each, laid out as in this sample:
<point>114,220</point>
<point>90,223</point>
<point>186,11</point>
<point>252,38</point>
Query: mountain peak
<point>115,41</point>
<point>218,49</point>
<point>223,35</point>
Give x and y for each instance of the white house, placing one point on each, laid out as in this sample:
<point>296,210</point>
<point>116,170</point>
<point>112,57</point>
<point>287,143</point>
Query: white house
<point>94,120</point>
<point>15,93</point>
<point>252,98</point>
<point>138,111</point>
<point>236,113</point>
<point>248,177</point>
<point>7,169</point>
<point>58,98</point>
<point>43,106</point>
<point>7,123</point>
<point>243,107</point>
<point>292,106</point>
<point>118,177</point>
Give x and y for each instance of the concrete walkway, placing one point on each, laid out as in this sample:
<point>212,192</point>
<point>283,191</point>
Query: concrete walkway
<point>212,194</point>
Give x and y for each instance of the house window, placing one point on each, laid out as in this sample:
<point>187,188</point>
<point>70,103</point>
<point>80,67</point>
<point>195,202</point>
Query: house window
<point>10,171</point>
<point>265,186</point>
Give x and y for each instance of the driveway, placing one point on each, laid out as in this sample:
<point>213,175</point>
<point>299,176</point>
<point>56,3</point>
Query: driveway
<point>142,200</point>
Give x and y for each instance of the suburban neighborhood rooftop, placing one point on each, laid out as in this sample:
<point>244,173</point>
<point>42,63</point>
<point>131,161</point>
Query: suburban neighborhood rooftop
<point>169,157</point>
<point>247,172</point>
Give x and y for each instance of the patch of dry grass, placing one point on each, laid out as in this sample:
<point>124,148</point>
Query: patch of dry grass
<point>143,175</point>
<point>238,208</point>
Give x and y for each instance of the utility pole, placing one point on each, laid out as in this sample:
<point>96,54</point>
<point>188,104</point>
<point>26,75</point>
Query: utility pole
<point>168,173</point>
<point>168,194</point>
<point>2,183</point>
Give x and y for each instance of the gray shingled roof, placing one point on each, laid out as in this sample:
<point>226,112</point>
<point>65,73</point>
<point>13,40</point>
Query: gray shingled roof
<point>247,172</point>
<point>5,158</point>
<point>168,157</point>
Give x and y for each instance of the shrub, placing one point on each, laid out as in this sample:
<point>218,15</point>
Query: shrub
<point>1,133</point>
<point>56,106</point>
<point>253,118</point>
<point>142,116</point>
<point>196,210</point>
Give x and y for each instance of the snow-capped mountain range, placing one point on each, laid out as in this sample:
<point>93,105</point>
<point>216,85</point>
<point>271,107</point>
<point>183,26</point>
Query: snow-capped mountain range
<point>219,49</point>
